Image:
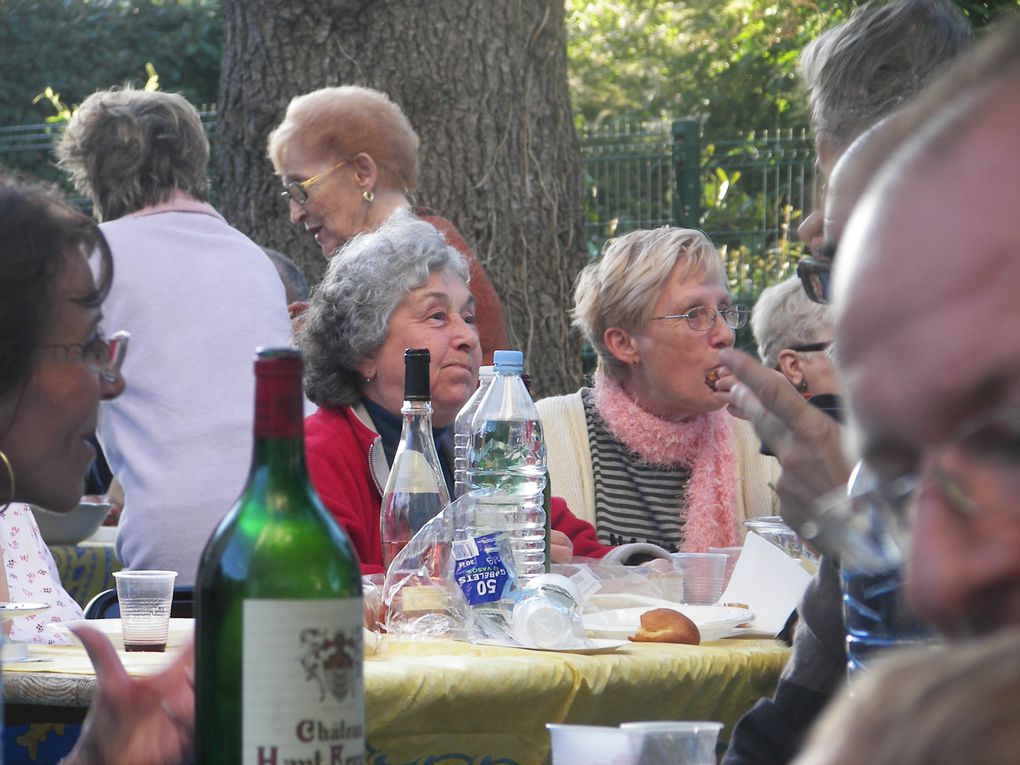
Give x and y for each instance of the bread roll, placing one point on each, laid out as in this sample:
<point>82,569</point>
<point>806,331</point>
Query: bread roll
<point>664,625</point>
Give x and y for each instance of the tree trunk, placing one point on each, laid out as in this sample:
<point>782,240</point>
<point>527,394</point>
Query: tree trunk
<point>485,86</point>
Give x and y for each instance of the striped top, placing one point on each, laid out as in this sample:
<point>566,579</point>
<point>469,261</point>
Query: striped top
<point>634,501</point>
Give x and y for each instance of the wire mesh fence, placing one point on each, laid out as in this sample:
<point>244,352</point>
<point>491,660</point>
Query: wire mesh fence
<point>748,193</point>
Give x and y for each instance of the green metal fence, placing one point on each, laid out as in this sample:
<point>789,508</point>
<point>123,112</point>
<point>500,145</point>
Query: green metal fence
<point>748,194</point>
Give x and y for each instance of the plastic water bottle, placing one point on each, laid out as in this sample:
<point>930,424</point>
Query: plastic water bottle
<point>875,610</point>
<point>462,432</point>
<point>877,617</point>
<point>507,456</point>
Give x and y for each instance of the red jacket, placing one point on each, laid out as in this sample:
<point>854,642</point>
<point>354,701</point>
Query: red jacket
<point>341,451</point>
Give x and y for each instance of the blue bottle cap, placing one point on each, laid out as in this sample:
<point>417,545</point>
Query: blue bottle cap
<point>508,362</point>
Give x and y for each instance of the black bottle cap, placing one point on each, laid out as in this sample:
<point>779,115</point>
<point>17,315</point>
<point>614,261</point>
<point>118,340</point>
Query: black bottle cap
<point>416,374</point>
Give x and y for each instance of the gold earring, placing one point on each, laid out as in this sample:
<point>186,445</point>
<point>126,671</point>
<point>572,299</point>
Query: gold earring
<point>367,195</point>
<point>10,476</point>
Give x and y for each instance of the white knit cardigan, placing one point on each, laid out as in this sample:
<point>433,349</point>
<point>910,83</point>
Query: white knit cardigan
<point>570,468</point>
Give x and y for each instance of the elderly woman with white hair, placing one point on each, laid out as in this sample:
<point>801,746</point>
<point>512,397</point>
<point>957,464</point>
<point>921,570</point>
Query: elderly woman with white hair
<point>647,454</point>
<point>399,286</point>
<point>348,159</point>
<point>794,336</point>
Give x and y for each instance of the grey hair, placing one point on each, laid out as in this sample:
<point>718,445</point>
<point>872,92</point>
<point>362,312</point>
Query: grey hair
<point>126,149</point>
<point>620,288</point>
<point>349,314</point>
<point>867,67</point>
<point>784,316</point>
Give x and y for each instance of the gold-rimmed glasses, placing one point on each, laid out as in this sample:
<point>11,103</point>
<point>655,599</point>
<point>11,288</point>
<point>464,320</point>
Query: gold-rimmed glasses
<point>297,191</point>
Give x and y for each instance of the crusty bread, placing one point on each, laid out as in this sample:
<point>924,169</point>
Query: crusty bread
<point>712,378</point>
<point>664,625</point>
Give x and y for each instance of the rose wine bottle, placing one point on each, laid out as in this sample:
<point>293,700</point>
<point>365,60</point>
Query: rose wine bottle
<point>415,490</point>
<point>278,665</point>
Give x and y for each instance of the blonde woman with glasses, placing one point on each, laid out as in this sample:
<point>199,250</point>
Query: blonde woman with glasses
<point>647,453</point>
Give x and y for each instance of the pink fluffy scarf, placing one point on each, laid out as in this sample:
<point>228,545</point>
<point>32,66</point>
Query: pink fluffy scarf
<point>704,444</point>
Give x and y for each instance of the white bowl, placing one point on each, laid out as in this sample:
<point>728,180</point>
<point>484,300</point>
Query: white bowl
<point>72,527</point>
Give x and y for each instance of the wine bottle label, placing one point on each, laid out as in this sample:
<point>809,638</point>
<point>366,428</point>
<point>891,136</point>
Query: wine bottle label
<point>303,682</point>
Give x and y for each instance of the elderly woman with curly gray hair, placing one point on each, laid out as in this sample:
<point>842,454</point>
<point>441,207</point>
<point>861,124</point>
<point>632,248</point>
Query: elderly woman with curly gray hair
<point>399,286</point>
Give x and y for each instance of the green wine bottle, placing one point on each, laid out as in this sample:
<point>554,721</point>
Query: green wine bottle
<point>279,641</point>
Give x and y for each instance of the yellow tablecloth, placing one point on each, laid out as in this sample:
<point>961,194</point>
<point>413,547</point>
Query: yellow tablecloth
<point>463,703</point>
<point>86,569</point>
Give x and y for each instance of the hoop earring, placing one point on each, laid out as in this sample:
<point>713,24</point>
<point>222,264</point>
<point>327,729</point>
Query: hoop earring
<point>367,195</point>
<point>10,476</point>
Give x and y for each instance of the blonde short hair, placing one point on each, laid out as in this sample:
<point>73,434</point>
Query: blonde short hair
<point>340,122</point>
<point>621,287</point>
<point>927,707</point>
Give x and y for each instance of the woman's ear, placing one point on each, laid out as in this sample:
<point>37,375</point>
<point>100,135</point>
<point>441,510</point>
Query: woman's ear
<point>366,368</point>
<point>366,172</point>
<point>620,343</point>
<point>791,364</point>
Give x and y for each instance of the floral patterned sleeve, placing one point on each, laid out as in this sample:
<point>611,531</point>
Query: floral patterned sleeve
<point>32,578</point>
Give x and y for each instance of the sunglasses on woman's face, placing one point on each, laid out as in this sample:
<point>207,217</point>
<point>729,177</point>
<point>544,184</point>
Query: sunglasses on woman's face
<point>814,276</point>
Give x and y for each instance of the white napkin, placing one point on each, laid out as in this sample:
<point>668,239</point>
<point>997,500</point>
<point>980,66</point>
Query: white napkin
<point>769,581</point>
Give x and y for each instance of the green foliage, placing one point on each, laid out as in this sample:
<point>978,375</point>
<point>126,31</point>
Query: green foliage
<point>63,50</point>
<point>731,63</point>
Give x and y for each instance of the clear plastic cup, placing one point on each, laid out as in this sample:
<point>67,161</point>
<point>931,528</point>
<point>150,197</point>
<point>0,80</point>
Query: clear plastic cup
<point>703,576</point>
<point>145,598</point>
<point>731,553</point>
<point>672,743</point>
<point>548,615</point>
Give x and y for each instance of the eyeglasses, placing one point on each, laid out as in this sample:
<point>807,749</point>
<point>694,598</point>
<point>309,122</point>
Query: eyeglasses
<point>702,317</point>
<point>298,190</point>
<point>811,347</point>
<point>870,523</point>
<point>103,356</point>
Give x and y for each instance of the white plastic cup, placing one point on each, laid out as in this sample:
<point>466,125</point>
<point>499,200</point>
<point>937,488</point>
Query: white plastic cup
<point>672,743</point>
<point>703,576</point>
<point>589,745</point>
<point>145,598</point>
<point>548,614</point>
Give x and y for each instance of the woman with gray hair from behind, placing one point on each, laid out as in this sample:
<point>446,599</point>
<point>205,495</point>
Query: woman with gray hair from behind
<point>397,287</point>
<point>645,454</point>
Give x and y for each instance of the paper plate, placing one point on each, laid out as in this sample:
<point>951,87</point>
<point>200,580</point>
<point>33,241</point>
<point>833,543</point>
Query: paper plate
<point>598,645</point>
<point>714,622</point>
<point>11,610</point>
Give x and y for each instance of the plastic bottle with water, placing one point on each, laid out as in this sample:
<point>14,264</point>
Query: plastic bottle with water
<point>507,456</point>
<point>877,617</point>
<point>875,610</point>
<point>462,432</point>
